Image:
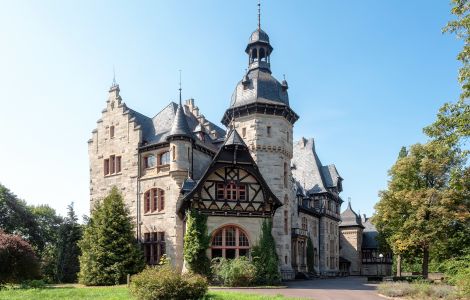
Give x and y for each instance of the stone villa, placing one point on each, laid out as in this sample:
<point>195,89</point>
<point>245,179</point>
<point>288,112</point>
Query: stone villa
<point>253,170</point>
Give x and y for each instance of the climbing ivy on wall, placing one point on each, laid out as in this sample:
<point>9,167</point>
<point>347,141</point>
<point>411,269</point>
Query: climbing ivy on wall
<point>265,257</point>
<point>196,241</point>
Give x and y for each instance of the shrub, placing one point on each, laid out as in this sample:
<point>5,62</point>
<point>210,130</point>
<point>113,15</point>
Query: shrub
<point>265,257</point>
<point>18,261</point>
<point>457,271</point>
<point>196,241</point>
<point>234,272</point>
<point>163,282</point>
<point>33,284</point>
<point>423,290</point>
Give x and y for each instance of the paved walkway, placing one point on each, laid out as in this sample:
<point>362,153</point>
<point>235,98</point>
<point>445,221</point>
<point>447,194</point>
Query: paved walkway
<point>345,288</point>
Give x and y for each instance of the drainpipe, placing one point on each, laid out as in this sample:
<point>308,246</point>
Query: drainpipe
<point>138,198</point>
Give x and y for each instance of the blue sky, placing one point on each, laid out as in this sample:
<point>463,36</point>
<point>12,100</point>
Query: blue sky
<point>364,76</point>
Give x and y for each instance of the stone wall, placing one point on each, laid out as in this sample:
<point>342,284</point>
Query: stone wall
<point>351,241</point>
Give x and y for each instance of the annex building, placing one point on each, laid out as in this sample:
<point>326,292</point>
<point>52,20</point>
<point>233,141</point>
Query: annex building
<point>238,176</point>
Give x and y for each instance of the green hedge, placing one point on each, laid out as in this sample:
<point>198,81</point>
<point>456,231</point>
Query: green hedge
<point>234,272</point>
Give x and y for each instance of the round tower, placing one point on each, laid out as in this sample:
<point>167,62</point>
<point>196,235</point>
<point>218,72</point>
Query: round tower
<point>260,112</point>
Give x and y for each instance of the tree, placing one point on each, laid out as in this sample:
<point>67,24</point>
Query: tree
<point>196,241</point>
<point>265,257</point>
<point>67,264</point>
<point>419,206</point>
<point>109,249</point>
<point>45,241</point>
<point>18,261</point>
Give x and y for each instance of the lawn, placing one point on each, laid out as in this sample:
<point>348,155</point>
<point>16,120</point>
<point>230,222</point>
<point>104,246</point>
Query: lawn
<point>109,293</point>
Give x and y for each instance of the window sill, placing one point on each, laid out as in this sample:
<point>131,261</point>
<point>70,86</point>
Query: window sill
<point>155,213</point>
<point>112,175</point>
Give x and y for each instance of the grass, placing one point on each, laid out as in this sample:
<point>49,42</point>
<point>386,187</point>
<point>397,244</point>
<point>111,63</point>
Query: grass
<point>418,290</point>
<point>109,293</point>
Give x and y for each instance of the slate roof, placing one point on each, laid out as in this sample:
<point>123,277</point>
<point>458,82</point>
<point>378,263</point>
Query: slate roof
<point>155,130</point>
<point>350,218</point>
<point>369,235</point>
<point>234,139</point>
<point>261,87</point>
<point>258,36</point>
<point>309,172</point>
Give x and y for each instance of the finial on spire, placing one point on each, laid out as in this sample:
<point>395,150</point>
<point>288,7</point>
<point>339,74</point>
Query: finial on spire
<point>180,86</point>
<point>114,77</point>
<point>259,14</point>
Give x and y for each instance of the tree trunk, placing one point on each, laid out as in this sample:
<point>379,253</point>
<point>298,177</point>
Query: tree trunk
<point>399,265</point>
<point>425,265</point>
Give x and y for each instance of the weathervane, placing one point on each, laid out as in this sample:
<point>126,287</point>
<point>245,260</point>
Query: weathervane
<point>180,86</point>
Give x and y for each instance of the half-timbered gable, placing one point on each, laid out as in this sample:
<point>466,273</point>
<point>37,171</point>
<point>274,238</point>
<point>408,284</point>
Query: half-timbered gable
<point>232,185</point>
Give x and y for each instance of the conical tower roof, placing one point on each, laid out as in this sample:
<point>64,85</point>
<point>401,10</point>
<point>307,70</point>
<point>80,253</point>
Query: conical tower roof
<point>180,124</point>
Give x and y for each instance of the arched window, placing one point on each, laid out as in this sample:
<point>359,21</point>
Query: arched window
<point>230,242</point>
<point>254,55</point>
<point>262,54</point>
<point>150,161</point>
<point>154,200</point>
<point>165,158</point>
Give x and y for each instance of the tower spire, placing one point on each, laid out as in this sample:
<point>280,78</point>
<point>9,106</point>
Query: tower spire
<point>259,14</point>
<point>180,87</point>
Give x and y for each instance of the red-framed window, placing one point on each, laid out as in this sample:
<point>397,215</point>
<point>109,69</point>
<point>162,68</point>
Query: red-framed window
<point>231,191</point>
<point>112,165</point>
<point>154,247</point>
<point>230,242</point>
<point>154,200</point>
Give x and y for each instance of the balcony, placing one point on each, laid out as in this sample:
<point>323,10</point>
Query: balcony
<point>298,232</point>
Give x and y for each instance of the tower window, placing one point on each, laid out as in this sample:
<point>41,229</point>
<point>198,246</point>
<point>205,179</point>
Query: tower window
<point>112,165</point>
<point>287,136</point>
<point>111,132</point>
<point>286,222</point>
<point>268,131</point>
<point>173,152</point>
<point>244,132</point>
<point>286,175</point>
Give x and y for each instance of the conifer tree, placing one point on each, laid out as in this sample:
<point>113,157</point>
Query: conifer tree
<point>265,257</point>
<point>109,249</point>
<point>67,264</point>
<point>310,255</point>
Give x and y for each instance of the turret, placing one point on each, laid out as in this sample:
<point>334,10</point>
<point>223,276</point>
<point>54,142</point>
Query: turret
<point>181,140</point>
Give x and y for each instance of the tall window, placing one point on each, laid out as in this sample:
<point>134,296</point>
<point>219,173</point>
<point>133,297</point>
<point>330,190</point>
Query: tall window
<point>173,153</point>
<point>304,223</point>
<point>230,242</point>
<point>286,174</point>
<point>244,132</point>
<point>231,191</point>
<point>165,158</point>
<point>111,131</point>
<point>286,222</point>
<point>268,131</point>
<point>112,165</point>
<point>154,247</point>
<point>154,200</point>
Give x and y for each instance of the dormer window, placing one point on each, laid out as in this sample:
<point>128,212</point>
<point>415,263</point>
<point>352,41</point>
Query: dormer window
<point>150,161</point>
<point>164,158</point>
